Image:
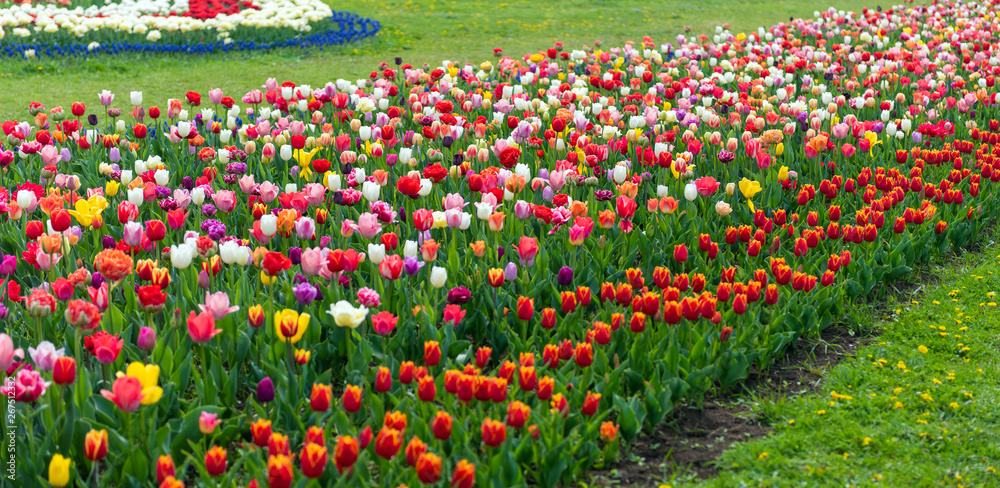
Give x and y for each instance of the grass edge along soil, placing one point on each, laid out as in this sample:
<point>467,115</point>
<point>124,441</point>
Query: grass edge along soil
<point>755,436</point>
<point>915,406</point>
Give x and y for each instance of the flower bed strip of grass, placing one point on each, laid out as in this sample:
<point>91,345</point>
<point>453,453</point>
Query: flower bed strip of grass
<point>915,407</point>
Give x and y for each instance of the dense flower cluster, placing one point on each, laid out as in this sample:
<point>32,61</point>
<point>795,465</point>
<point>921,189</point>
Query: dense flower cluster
<point>159,24</point>
<point>474,274</point>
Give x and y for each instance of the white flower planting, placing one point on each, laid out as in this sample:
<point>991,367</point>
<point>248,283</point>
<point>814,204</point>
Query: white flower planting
<point>151,19</point>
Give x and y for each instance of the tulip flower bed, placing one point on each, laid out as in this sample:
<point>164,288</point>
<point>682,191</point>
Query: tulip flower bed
<point>479,275</point>
<point>176,26</point>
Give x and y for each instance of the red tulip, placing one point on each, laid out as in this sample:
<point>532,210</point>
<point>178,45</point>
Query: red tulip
<point>351,398</point>
<point>388,442</point>
<point>215,461</point>
<point>493,432</point>
<point>313,459</point>
<point>441,425</point>
<point>64,371</point>
<point>345,453</point>
<point>322,396</point>
<point>464,475</point>
<point>428,468</point>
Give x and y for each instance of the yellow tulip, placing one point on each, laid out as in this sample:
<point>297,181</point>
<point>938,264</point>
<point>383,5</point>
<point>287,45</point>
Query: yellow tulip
<point>779,149</point>
<point>59,471</point>
<point>783,173</point>
<point>290,325</point>
<point>304,158</point>
<point>265,279</point>
<point>148,375</point>
<point>111,189</point>
<point>88,210</point>
<point>749,188</point>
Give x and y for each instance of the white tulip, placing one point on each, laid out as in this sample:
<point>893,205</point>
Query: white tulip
<point>405,155</point>
<point>26,199</point>
<point>198,196</point>
<point>333,182</point>
<point>136,98</point>
<point>376,253</point>
<point>411,249</point>
<point>425,187</point>
<point>439,276</point>
<point>690,192</point>
<point>135,195</point>
<point>346,315</point>
<point>483,210</point>
<point>620,173</point>
<point>228,251</point>
<point>285,152</point>
<point>268,224</point>
<point>181,255</point>
<point>370,190</point>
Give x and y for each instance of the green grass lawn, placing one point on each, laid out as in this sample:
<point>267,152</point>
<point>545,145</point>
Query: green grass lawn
<point>418,31</point>
<point>917,406</point>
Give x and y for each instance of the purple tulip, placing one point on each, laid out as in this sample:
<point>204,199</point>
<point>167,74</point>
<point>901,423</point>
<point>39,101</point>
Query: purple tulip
<point>295,254</point>
<point>459,295</point>
<point>565,277</point>
<point>412,265</point>
<point>265,390</point>
<point>510,272</point>
<point>305,293</point>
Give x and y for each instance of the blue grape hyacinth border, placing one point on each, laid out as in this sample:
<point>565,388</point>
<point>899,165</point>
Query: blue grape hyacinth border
<point>352,28</point>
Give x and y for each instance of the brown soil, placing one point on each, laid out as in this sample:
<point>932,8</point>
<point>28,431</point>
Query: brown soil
<point>691,441</point>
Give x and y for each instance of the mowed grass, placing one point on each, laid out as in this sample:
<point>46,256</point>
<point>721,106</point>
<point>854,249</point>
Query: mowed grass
<point>916,407</point>
<point>417,31</point>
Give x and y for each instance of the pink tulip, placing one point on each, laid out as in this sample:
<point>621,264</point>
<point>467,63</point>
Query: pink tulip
<point>217,304</point>
<point>8,353</point>
<point>368,225</point>
<point>268,192</point>
<point>215,96</point>
<point>28,386</point>
<point>314,193</point>
<point>225,200</point>
<point>208,422</point>
<point>126,393</point>
<point>99,296</point>
<point>247,184</point>
<point>305,228</point>
<point>312,261</point>
<point>454,200</point>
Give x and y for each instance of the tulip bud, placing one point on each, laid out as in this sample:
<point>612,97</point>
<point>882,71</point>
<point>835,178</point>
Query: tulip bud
<point>147,339</point>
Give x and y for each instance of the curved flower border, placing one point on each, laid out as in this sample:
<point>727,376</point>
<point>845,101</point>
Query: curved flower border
<point>350,27</point>
<point>177,26</point>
